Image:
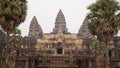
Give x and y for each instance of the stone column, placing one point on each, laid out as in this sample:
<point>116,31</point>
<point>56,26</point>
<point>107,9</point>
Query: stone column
<point>26,63</point>
<point>90,63</point>
<point>100,62</point>
<point>63,52</point>
<point>113,53</point>
<point>55,51</point>
<point>83,63</point>
<point>33,63</point>
<point>0,62</point>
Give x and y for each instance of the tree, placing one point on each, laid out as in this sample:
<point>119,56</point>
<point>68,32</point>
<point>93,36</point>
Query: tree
<point>12,13</point>
<point>98,48</point>
<point>2,41</point>
<point>104,18</point>
<point>11,51</point>
<point>15,38</point>
<point>118,49</point>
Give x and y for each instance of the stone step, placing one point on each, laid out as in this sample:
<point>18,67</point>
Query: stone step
<point>58,65</point>
<point>56,62</point>
<point>57,59</point>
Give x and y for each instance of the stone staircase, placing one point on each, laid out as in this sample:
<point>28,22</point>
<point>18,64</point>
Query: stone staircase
<point>57,62</point>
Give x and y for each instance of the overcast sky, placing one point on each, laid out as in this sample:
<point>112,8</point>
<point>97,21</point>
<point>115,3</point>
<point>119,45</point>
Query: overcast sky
<point>46,11</point>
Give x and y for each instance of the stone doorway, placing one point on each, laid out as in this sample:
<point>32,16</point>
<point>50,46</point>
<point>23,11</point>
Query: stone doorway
<point>59,51</point>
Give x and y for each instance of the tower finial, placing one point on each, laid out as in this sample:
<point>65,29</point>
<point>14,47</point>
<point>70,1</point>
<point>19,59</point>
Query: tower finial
<point>34,21</point>
<point>60,23</point>
<point>60,13</point>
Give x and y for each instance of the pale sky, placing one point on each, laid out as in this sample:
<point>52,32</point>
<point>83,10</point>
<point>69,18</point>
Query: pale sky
<point>46,11</point>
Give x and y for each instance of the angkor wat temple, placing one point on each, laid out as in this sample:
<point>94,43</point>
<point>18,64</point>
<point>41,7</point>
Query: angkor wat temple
<point>58,49</point>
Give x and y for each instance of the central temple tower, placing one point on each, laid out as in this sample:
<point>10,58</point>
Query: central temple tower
<point>60,23</point>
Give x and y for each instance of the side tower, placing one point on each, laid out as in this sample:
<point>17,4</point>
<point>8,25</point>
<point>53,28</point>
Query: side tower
<point>84,32</point>
<point>60,23</point>
<point>86,36</point>
<point>35,29</point>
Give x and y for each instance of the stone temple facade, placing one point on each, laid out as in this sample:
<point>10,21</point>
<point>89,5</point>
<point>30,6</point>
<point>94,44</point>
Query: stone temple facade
<point>60,40</point>
<point>57,49</point>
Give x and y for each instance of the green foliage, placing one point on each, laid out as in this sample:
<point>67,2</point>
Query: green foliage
<point>98,47</point>
<point>104,19</point>
<point>118,48</point>
<point>2,40</point>
<point>12,13</point>
<point>15,38</point>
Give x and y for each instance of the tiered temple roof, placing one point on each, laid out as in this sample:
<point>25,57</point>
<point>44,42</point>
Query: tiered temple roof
<point>84,32</point>
<point>35,29</point>
<point>60,23</point>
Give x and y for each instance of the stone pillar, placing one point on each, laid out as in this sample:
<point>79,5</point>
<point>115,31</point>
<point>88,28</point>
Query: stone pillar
<point>90,63</point>
<point>0,62</point>
<point>63,52</point>
<point>26,63</point>
<point>55,51</point>
<point>83,63</point>
<point>113,53</point>
<point>100,62</point>
<point>33,63</point>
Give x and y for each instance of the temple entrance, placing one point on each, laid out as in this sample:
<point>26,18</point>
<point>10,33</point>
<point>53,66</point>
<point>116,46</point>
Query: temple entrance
<point>110,53</point>
<point>59,51</point>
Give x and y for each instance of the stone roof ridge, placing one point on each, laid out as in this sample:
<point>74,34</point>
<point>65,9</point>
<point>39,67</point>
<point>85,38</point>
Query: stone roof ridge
<point>34,21</point>
<point>60,15</point>
<point>60,12</point>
